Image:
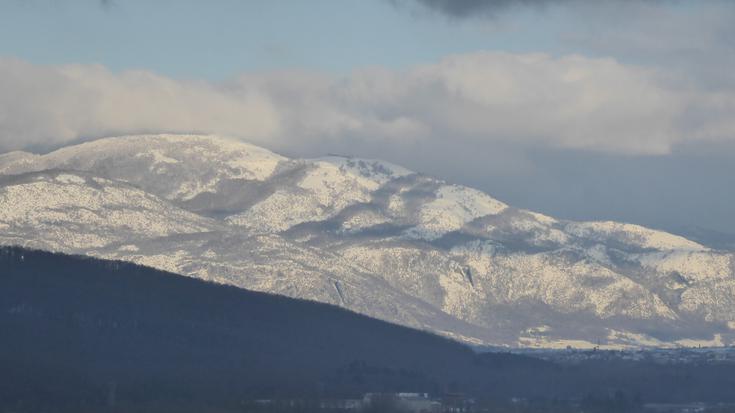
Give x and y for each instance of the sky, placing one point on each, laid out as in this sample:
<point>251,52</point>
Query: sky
<point>606,110</point>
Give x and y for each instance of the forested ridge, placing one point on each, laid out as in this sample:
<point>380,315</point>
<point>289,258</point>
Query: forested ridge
<point>80,333</point>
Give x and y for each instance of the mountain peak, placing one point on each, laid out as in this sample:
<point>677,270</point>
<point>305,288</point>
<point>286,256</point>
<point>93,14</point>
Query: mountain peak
<point>374,169</point>
<point>370,236</point>
<point>177,167</point>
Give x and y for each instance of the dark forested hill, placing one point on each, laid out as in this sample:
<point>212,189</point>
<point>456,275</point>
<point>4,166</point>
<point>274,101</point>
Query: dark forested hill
<point>74,329</point>
<point>78,334</point>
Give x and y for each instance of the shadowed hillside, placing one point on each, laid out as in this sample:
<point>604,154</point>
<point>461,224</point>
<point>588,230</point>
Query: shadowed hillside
<point>79,334</point>
<point>74,328</point>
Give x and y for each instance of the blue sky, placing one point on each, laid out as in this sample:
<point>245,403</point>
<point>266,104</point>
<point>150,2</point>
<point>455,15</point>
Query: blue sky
<point>613,109</point>
<point>218,39</point>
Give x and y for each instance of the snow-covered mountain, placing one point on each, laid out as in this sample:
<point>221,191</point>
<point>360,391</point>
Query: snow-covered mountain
<point>372,237</point>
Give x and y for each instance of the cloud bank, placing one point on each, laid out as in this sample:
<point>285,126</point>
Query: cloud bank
<point>478,99</point>
<point>51,105</point>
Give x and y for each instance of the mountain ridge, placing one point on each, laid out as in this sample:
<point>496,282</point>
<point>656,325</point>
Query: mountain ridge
<point>370,236</point>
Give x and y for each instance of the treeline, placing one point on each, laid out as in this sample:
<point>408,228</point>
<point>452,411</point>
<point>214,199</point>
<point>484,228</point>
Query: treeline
<point>79,334</point>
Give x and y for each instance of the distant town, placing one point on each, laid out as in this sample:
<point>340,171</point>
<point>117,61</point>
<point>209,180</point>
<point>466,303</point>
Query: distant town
<point>410,402</point>
<point>684,355</point>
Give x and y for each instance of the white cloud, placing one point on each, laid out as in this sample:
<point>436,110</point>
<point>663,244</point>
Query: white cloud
<point>481,99</point>
<point>42,105</point>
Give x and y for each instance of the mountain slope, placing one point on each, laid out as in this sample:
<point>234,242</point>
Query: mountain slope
<point>372,237</point>
<point>73,327</point>
<point>81,335</point>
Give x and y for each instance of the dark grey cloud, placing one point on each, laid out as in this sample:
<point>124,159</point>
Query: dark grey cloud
<point>466,8</point>
<point>107,4</point>
<point>490,8</point>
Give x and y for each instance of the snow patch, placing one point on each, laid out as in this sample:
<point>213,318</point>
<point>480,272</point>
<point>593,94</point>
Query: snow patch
<point>631,339</point>
<point>16,162</point>
<point>70,179</point>
<point>331,186</point>
<point>363,220</point>
<point>716,341</point>
<point>453,207</point>
<point>375,170</point>
<point>158,157</point>
<point>550,343</point>
<point>693,265</point>
<point>634,234</point>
